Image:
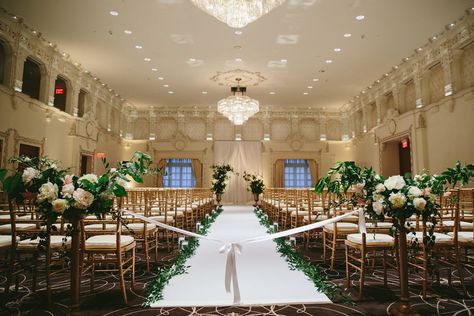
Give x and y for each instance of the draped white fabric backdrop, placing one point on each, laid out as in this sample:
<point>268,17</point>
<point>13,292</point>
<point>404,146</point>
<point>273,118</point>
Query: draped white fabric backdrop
<point>242,156</point>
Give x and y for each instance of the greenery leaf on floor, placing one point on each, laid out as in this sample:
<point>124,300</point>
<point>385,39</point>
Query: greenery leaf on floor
<point>155,288</point>
<point>297,262</point>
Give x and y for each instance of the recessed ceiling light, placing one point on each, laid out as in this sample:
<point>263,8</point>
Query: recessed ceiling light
<point>386,75</point>
<point>161,78</point>
<point>138,46</point>
<point>337,49</point>
<point>238,60</point>
<point>272,92</point>
<point>204,92</point>
<point>284,61</point>
<point>310,87</point>
<point>192,59</point>
<point>360,17</point>
<point>419,49</point>
<point>147,59</point>
<point>238,32</point>
<point>346,35</point>
<point>114,13</point>
<point>165,85</point>
<point>154,69</point>
<point>128,32</point>
<point>305,93</point>
<point>328,61</point>
<point>170,92</point>
<point>315,79</point>
<point>103,85</point>
<point>395,67</point>
<point>452,24</point>
<point>15,17</point>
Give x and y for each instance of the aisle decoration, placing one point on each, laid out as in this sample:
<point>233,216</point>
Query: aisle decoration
<point>297,262</point>
<point>60,193</point>
<point>398,197</point>
<point>220,175</point>
<point>155,287</point>
<point>255,185</point>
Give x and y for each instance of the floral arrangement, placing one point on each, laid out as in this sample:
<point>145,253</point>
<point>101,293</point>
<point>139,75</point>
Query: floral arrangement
<point>220,174</point>
<point>396,197</point>
<point>255,183</point>
<point>59,193</point>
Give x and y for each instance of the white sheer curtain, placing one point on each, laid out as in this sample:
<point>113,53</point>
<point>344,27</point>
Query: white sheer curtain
<point>242,156</point>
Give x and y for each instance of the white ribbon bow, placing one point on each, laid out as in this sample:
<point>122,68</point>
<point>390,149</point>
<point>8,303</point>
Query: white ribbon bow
<point>231,269</point>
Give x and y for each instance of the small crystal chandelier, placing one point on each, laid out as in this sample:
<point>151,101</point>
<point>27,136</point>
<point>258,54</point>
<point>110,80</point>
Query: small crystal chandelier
<point>237,13</point>
<point>238,107</point>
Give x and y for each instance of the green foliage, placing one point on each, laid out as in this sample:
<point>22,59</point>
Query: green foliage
<point>256,185</point>
<point>220,175</point>
<point>155,287</point>
<point>297,262</point>
<point>459,173</point>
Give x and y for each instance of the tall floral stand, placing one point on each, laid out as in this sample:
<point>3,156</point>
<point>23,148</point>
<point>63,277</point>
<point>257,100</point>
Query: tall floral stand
<point>255,198</point>
<point>402,307</point>
<point>76,271</point>
<point>218,199</point>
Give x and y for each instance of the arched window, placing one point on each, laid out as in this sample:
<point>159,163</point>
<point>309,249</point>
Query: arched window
<point>60,93</point>
<point>81,103</point>
<point>31,78</point>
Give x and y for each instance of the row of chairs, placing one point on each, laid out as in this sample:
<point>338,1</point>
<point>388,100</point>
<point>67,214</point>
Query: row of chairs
<point>107,243</point>
<point>454,232</point>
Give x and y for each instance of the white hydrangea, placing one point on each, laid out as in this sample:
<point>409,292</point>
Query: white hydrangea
<point>377,197</point>
<point>30,174</point>
<point>48,191</point>
<point>395,183</point>
<point>398,200</point>
<point>121,182</point>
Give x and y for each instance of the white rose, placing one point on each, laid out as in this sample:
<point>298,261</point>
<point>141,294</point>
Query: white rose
<point>395,182</point>
<point>59,205</point>
<point>417,177</point>
<point>379,188</point>
<point>378,207</point>
<point>377,197</point>
<point>29,174</point>
<point>377,177</point>
<point>67,190</point>
<point>82,198</point>
<point>414,192</point>
<point>113,170</point>
<point>48,191</point>
<point>359,186</point>
<point>419,203</point>
<point>398,200</point>
<point>90,177</point>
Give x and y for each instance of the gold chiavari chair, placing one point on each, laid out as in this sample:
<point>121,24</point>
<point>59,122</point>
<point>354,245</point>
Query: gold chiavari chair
<point>160,212</point>
<point>109,251</point>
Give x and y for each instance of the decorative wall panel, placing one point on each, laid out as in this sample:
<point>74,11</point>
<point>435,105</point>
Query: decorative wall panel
<point>280,129</point>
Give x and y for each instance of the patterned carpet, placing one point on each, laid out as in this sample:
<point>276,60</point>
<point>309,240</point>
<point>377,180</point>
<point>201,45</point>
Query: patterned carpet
<point>106,300</point>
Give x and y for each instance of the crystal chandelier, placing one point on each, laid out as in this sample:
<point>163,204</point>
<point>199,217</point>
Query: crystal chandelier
<point>238,107</point>
<point>237,13</point>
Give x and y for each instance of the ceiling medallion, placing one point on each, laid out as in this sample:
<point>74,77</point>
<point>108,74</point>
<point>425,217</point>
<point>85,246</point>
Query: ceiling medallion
<point>238,107</point>
<point>237,13</point>
<point>247,78</point>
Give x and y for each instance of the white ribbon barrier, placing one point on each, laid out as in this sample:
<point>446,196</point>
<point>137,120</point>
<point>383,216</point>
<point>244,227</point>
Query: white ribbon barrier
<point>233,248</point>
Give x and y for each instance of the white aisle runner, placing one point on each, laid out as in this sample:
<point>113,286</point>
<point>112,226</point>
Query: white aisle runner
<point>264,276</point>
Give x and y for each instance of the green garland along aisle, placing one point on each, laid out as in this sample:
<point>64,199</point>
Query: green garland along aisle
<point>155,288</point>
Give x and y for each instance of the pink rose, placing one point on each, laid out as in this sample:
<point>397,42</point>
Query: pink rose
<point>68,179</point>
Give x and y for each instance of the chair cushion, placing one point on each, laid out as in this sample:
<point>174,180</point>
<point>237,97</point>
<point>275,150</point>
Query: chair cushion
<point>377,240</point>
<point>107,241</point>
<point>300,213</point>
<point>351,219</point>
<point>464,225</point>
<point>7,228</point>
<point>316,218</point>
<point>161,218</point>
<point>6,241</point>
<point>100,227</point>
<point>382,225</point>
<point>21,217</point>
<point>343,227</point>
<point>464,236</point>
<point>57,241</point>
<point>440,239</point>
<point>137,227</point>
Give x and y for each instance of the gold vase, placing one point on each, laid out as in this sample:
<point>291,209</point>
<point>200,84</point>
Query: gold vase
<point>255,198</point>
